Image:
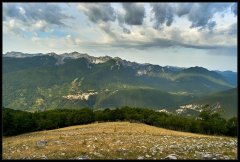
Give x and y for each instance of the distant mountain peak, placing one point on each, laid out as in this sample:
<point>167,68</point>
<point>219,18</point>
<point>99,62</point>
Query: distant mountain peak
<point>20,54</point>
<point>13,52</point>
<point>117,58</point>
<point>101,59</point>
<point>75,54</point>
<point>52,54</point>
<point>91,59</point>
<point>196,69</point>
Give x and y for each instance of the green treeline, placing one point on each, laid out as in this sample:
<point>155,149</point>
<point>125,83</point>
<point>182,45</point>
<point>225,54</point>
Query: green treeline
<point>16,122</point>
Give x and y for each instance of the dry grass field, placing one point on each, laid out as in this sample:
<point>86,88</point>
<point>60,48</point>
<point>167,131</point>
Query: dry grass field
<point>117,140</point>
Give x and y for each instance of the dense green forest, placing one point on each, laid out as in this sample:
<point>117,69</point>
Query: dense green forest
<point>16,122</point>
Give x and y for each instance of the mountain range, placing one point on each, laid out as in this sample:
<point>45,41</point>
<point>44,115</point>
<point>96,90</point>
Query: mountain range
<point>35,82</point>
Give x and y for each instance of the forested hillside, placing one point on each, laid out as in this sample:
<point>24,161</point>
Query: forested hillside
<point>74,80</point>
<point>17,122</point>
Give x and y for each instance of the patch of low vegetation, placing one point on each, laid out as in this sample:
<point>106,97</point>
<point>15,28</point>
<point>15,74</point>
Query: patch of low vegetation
<point>117,140</point>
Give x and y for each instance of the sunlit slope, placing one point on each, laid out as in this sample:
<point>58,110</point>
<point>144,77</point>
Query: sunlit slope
<point>228,100</point>
<point>43,84</point>
<point>115,140</point>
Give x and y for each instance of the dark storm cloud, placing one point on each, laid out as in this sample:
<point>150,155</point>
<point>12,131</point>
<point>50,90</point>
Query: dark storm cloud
<point>120,19</point>
<point>199,14</point>
<point>100,11</point>
<point>31,12</point>
<point>163,14</point>
<point>134,13</point>
<point>182,9</point>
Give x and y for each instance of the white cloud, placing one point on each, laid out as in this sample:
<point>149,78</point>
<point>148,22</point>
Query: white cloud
<point>22,11</point>
<point>13,26</point>
<point>40,25</point>
<point>101,27</point>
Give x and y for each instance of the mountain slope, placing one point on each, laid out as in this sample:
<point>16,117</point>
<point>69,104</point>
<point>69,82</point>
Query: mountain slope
<point>230,76</point>
<point>75,80</point>
<point>227,100</point>
<point>141,97</point>
<point>12,64</point>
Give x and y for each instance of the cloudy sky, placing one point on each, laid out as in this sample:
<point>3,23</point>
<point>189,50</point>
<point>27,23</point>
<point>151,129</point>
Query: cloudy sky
<point>175,34</point>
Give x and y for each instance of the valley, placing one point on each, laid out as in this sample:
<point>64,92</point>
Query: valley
<point>38,82</point>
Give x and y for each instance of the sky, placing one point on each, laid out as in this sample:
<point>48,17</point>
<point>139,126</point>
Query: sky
<point>166,34</point>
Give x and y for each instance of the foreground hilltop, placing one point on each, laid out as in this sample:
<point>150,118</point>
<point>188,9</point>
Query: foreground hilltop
<point>117,140</point>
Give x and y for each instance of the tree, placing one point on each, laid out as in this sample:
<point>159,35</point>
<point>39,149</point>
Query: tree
<point>232,126</point>
<point>8,122</point>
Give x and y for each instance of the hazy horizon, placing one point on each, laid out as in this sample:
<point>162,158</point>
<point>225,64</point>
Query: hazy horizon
<point>165,34</point>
